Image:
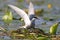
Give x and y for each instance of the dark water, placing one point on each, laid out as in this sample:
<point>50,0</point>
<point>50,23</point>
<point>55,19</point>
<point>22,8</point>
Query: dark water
<point>53,13</point>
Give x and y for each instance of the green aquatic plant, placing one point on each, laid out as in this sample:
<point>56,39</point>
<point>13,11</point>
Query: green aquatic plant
<point>39,2</point>
<point>53,28</point>
<point>20,0</point>
<point>18,19</point>
<point>32,36</point>
<point>45,18</point>
<point>43,38</point>
<point>7,18</point>
<point>1,10</point>
<point>21,19</point>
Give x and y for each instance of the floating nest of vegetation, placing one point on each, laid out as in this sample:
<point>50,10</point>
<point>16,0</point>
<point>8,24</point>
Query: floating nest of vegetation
<point>32,34</point>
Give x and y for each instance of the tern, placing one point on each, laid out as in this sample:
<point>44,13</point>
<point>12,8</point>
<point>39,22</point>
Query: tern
<point>31,15</point>
<point>29,18</point>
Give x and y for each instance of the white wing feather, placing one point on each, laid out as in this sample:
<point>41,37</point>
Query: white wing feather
<point>31,9</point>
<point>22,14</point>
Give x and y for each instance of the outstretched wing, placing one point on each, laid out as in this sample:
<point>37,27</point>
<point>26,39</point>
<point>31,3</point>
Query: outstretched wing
<point>31,13</point>
<point>22,14</point>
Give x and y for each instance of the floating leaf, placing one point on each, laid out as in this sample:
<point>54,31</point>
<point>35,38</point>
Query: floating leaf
<point>53,28</point>
<point>7,18</point>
